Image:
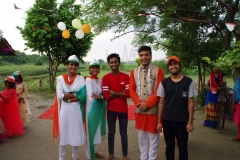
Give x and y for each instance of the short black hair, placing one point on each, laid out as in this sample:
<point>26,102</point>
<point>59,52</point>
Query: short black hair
<point>145,48</point>
<point>112,55</point>
<point>12,85</point>
<point>20,78</point>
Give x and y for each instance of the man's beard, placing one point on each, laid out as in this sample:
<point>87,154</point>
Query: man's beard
<point>175,73</point>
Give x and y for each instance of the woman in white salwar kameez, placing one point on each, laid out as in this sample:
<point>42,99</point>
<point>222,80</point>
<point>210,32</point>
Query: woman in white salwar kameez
<point>71,127</point>
<point>95,112</point>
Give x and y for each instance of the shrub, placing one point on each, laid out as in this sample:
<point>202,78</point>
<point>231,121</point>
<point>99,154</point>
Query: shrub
<point>162,64</point>
<point>38,62</point>
<point>104,66</point>
<point>122,66</point>
<point>201,98</point>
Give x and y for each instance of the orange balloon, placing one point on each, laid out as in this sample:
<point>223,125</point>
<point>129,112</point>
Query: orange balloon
<point>65,34</point>
<point>86,28</point>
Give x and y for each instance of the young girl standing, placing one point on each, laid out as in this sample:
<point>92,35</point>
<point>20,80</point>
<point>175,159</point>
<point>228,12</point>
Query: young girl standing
<point>10,110</point>
<point>95,112</point>
<point>22,92</point>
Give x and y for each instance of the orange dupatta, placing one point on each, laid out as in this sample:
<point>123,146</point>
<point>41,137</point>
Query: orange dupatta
<point>65,77</point>
<point>55,105</point>
<point>55,128</point>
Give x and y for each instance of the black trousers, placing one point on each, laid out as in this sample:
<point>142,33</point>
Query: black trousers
<point>123,123</point>
<point>171,130</point>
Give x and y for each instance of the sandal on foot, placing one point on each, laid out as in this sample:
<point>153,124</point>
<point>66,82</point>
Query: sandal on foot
<point>235,139</point>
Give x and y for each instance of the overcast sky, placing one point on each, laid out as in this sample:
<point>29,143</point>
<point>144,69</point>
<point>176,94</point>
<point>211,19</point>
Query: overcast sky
<point>102,44</point>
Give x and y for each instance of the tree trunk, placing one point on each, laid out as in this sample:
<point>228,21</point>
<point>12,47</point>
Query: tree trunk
<point>52,71</point>
<point>204,73</point>
<point>228,40</point>
<point>199,78</point>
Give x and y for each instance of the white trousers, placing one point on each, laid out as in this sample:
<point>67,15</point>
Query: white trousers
<point>62,151</point>
<point>88,151</point>
<point>151,153</point>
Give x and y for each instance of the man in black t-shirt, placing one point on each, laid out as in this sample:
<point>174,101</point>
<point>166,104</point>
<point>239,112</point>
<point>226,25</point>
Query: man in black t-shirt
<point>176,107</point>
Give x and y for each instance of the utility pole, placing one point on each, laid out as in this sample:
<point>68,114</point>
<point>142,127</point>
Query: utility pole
<point>133,54</point>
<point>125,57</point>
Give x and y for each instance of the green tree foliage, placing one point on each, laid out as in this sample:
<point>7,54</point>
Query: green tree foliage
<point>148,18</point>
<point>122,66</point>
<point>138,61</point>
<point>230,59</point>
<point>189,29</point>
<point>39,62</point>
<point>105,66</point>
<point>101,61</point>
<point>190,42</point>
<point>42,35</point>
<point>20,59</point>
<point>162,64</point>
<point>32,58</point>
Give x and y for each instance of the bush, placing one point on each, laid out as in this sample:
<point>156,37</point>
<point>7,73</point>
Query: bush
<point>162,64</point>
<point>129,67</point>
<point>104,66</point>
<point>122,66</point>
<point>201,98</point>
<point>38,62</point>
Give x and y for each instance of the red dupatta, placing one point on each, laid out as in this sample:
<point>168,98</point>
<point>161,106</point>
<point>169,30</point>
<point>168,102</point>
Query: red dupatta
<point>213,81</point>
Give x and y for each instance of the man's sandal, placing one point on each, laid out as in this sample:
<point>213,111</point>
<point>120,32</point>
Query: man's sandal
<point>235,139</point>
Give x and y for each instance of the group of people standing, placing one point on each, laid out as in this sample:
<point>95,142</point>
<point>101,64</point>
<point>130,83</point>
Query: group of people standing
<point>79,110</point>
<point>162,104</point>
<point>216,84</point>
<point>14,107</point>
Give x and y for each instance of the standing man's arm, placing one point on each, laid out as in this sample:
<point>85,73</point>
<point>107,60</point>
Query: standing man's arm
<point>117,94</point>
<point>132,90</point>
<point>191,93</point>
<point>124,93</point>
<point>151,101</point>
<point>161,94</point>
<point>190,112</point>
<point>105,87</point>
<point>160,111</point>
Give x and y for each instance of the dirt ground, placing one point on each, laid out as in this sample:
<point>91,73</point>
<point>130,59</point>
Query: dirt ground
<point>204,143</point>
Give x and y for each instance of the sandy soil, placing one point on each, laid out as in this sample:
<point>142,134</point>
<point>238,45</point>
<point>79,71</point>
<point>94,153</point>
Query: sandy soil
<point>204,143</point>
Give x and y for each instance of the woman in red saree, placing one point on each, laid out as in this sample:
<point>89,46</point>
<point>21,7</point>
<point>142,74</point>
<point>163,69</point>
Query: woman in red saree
<point>211,104</point>
<point>10,110</point>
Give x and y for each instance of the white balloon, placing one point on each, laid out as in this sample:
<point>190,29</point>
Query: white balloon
<point>79,34</point>
<point>61,26</point>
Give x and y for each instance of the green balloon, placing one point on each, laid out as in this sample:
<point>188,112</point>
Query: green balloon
<point>76,23</point>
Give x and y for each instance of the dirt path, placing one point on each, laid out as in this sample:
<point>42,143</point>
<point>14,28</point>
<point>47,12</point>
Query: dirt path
<point>204,143</point>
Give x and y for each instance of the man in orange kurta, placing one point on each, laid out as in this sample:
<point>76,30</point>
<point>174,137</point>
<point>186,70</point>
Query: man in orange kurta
<point>144,81</point>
